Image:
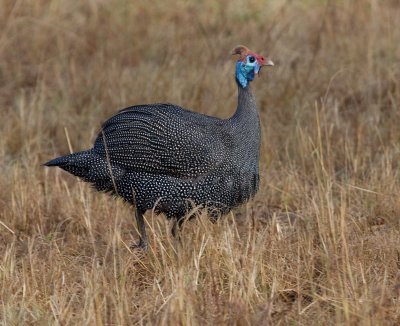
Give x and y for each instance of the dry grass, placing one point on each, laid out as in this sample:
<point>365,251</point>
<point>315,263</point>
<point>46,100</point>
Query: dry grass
<point>331,137</point>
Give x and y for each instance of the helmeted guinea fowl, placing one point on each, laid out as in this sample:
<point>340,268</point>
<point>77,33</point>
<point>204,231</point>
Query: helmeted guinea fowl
<point>165,157</point>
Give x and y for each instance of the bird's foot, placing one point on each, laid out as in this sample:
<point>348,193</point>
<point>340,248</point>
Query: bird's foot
<point>142,245</point>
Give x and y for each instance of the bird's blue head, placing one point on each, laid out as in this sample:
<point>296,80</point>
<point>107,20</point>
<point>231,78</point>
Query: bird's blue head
<point>248,65</point>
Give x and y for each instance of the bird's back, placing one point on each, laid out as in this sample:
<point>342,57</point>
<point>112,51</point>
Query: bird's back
<point>164,139</point>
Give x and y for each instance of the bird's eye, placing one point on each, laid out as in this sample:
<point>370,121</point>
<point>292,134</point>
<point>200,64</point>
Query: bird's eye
<point>252,59</point>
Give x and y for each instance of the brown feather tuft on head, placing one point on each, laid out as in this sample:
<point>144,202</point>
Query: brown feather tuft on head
<point>241,50</point>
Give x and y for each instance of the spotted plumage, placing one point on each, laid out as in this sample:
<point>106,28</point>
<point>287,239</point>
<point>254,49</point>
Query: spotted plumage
<point>168,158</point>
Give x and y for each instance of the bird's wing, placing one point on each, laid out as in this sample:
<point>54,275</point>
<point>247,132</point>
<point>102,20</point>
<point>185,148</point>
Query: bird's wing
<point>163,139</point>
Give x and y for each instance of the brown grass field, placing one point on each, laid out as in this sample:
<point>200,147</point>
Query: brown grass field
<point>330,117</point>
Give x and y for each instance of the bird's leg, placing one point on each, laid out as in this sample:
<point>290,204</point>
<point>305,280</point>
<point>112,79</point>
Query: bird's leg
<point>176,227</point>
<point>142,230</point>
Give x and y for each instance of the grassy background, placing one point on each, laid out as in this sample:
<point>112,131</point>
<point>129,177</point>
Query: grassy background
<point>330,155</point>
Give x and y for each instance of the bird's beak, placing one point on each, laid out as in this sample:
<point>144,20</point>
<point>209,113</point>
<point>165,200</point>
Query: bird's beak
<point>261,62</point>
<point>268,62</point>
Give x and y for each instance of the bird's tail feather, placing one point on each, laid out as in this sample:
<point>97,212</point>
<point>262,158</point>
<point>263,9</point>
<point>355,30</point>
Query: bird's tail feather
<point>88,166</point>
<point>77,164</point>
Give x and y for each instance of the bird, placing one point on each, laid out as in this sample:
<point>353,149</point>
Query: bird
<point>164,157</point>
